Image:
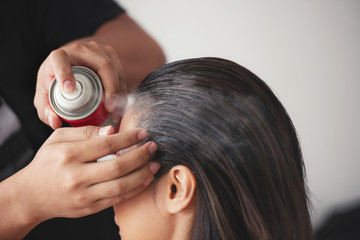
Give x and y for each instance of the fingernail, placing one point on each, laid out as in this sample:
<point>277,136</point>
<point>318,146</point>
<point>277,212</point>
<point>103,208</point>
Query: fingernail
<point>154,166</point>
<point>119,153</point>
<point>68,87</point>
<point>142,134</point>
<point>148,181</point>
<point>105,131</point>
<point>152,147</point>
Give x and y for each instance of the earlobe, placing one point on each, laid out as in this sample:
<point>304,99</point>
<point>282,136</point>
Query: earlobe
<point>181,189</point>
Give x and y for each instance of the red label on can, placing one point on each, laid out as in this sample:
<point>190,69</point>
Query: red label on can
<point>95,119</point>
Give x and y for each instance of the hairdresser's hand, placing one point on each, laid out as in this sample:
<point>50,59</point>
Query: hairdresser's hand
<point>64,180</point>
<point>100,58</point>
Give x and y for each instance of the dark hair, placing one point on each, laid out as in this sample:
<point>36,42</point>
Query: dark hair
<point>224,123</point>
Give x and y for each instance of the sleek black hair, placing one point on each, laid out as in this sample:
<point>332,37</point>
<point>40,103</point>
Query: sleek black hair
<point>225,124</point>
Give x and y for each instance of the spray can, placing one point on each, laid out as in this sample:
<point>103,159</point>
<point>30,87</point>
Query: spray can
<point>85,106</point>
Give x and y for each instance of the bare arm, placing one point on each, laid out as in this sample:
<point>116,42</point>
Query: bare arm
<point>16,218</point>
<point>139,54</point>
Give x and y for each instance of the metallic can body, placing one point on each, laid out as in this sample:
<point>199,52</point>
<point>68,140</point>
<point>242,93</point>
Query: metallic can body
<point>85,106</point>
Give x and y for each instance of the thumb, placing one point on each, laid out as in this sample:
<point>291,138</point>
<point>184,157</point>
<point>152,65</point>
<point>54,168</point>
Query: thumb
<point>45,113</point>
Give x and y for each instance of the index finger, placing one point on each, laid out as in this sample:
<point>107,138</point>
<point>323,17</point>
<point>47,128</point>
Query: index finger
<point>76,134</point>
<point>96,148</point>
<point>61,67</point>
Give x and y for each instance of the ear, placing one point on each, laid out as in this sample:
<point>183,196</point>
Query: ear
<point>181,185</point>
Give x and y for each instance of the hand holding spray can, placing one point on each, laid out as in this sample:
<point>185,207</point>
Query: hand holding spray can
<point>85,106</point>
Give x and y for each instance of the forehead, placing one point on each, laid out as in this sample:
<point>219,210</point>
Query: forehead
<point>127,121</point>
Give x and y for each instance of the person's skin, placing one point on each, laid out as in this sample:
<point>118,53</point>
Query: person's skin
<point>71,183</point>
<point>121,53</point>
<point>159,212</point>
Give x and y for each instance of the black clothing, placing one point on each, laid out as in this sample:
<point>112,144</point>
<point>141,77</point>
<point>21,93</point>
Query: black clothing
<point>341,225</point>
<point>30,30</point>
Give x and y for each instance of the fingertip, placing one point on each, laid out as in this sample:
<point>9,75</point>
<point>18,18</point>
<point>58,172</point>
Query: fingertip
<point>142,134</point>
<point>153,147</point>
<point>68,86</point>
<point>154,166</point>
<point>110,102</point>
<point>108,130</point>
<point>53,120</point>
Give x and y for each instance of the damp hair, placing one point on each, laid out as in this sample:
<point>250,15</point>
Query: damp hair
<point>226,125</point>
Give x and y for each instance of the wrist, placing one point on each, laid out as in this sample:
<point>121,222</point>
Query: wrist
<point>16,207</point>
<point>25,199</point>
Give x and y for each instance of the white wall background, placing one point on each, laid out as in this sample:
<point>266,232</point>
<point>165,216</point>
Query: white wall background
<point>307,51</point>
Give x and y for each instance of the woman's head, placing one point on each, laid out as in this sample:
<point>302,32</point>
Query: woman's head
<point>223,133</point>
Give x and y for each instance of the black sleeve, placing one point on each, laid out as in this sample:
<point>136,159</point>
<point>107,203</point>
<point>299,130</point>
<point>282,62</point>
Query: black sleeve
<point>68,20</point>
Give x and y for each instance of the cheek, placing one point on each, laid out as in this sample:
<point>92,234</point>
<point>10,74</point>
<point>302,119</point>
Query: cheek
<point>138,217</point>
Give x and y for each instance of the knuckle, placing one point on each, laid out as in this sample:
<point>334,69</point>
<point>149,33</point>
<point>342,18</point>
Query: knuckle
<point>36,102</point>
<point>57,53</point>
<point>77,46</point>
<point>93,43</point>
<point>66,155</point>
<point>71,181</point>
<point>57,133</point>
<point>106,64</point>
<point>109,49</point>
<point>80,199</point>
<point>118,169</point>
<point>118,199</point>
<point>106,144</point>
<point>42,116</point>
<point>118,188</point>
<point>92,46</point>
<point>40,112</point>
<point>88,210</point>
<point>88,131</point>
